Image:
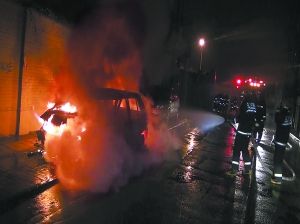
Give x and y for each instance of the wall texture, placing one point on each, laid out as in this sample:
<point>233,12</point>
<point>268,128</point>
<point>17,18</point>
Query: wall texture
<point>9,59</point>
<point>43,56</point>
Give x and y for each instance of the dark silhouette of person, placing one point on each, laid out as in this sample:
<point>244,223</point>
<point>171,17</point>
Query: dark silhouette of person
<point>283,120</point>
<point>260,117</point>
<point>246,119</point>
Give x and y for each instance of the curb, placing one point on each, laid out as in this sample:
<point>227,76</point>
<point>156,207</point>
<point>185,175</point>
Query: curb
<point>12,201</point>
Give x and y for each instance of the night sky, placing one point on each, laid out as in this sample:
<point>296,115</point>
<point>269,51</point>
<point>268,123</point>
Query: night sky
<point>243,37</point>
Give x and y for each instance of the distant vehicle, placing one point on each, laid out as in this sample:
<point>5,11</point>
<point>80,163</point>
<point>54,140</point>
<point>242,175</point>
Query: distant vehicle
<point>221,104</point>
<point>125,110</point>
<point>215,106</point>
<point>168,110</point>
<point>173,108</point>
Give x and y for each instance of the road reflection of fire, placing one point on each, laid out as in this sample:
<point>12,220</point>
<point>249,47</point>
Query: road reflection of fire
<point>192,141</point>
<point>188,174</point>
<point>49,203</point>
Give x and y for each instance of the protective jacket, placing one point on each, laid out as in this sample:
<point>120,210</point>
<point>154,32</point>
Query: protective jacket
<point>246,117</point>
<point>246,120</point>
<point>283,120</point>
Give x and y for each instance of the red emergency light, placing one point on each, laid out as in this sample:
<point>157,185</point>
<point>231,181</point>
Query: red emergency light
<point>238,83</point>
<point>250,82</point>
<point>257,84</point>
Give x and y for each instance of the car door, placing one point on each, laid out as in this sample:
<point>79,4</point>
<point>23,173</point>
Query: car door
<point>138,120</point>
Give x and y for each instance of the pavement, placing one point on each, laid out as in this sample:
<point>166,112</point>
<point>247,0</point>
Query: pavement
<point>269,203</point>
<point>22,176</point>
<point>190,190</point>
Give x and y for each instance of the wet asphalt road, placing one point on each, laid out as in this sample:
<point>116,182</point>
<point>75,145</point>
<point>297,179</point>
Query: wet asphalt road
<point>269,203</point>
<point>190,187</point>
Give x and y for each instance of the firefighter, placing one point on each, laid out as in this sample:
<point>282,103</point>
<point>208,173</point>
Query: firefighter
<point>283,120</point>
<point>260,117</point>
<point>246,120</point>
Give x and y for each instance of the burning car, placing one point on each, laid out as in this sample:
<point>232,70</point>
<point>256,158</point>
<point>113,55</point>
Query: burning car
<point>125,110</point>
<point>128,110</point>
<point>53,120</point>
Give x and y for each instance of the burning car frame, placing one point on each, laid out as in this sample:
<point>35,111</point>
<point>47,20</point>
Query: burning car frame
<point>53,120</point>
<point>128,111</point>
<point>126,108</point>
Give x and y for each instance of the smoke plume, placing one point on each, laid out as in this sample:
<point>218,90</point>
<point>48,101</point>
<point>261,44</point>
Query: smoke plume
<point>92,154</point>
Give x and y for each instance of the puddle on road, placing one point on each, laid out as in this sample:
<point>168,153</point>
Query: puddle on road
<point>189,170</point>
<point>184,174</point>
<point>192,140</point>
<point>49,203</point>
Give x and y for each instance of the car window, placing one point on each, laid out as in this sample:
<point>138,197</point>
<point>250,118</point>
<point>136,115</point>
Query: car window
<point>116,104</point>
<point>119,103</point>
<point>133,104</point>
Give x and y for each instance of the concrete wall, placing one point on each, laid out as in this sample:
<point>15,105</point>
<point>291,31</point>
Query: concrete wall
<point>43,56</point>
<point>44,52</point>
<point>10,21</point>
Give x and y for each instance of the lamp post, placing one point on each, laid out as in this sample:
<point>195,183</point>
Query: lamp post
<point>201,44</point>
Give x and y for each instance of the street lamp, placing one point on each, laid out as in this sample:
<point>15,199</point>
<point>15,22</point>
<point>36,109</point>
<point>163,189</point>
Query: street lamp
<point>201,44</point>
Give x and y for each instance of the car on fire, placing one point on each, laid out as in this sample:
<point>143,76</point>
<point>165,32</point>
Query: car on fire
<point>124,109</point>
<point>128,111</point>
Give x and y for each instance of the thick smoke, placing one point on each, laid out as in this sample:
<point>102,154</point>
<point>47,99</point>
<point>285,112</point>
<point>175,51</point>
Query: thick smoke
<point>92,154</point>
<point>160,140</point>
<point>103,53</point>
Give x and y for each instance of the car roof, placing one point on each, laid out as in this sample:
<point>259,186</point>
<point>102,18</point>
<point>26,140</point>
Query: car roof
<point>114,94</point>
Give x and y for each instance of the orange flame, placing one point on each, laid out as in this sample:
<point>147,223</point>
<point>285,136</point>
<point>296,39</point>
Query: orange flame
<point>52,129</point>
